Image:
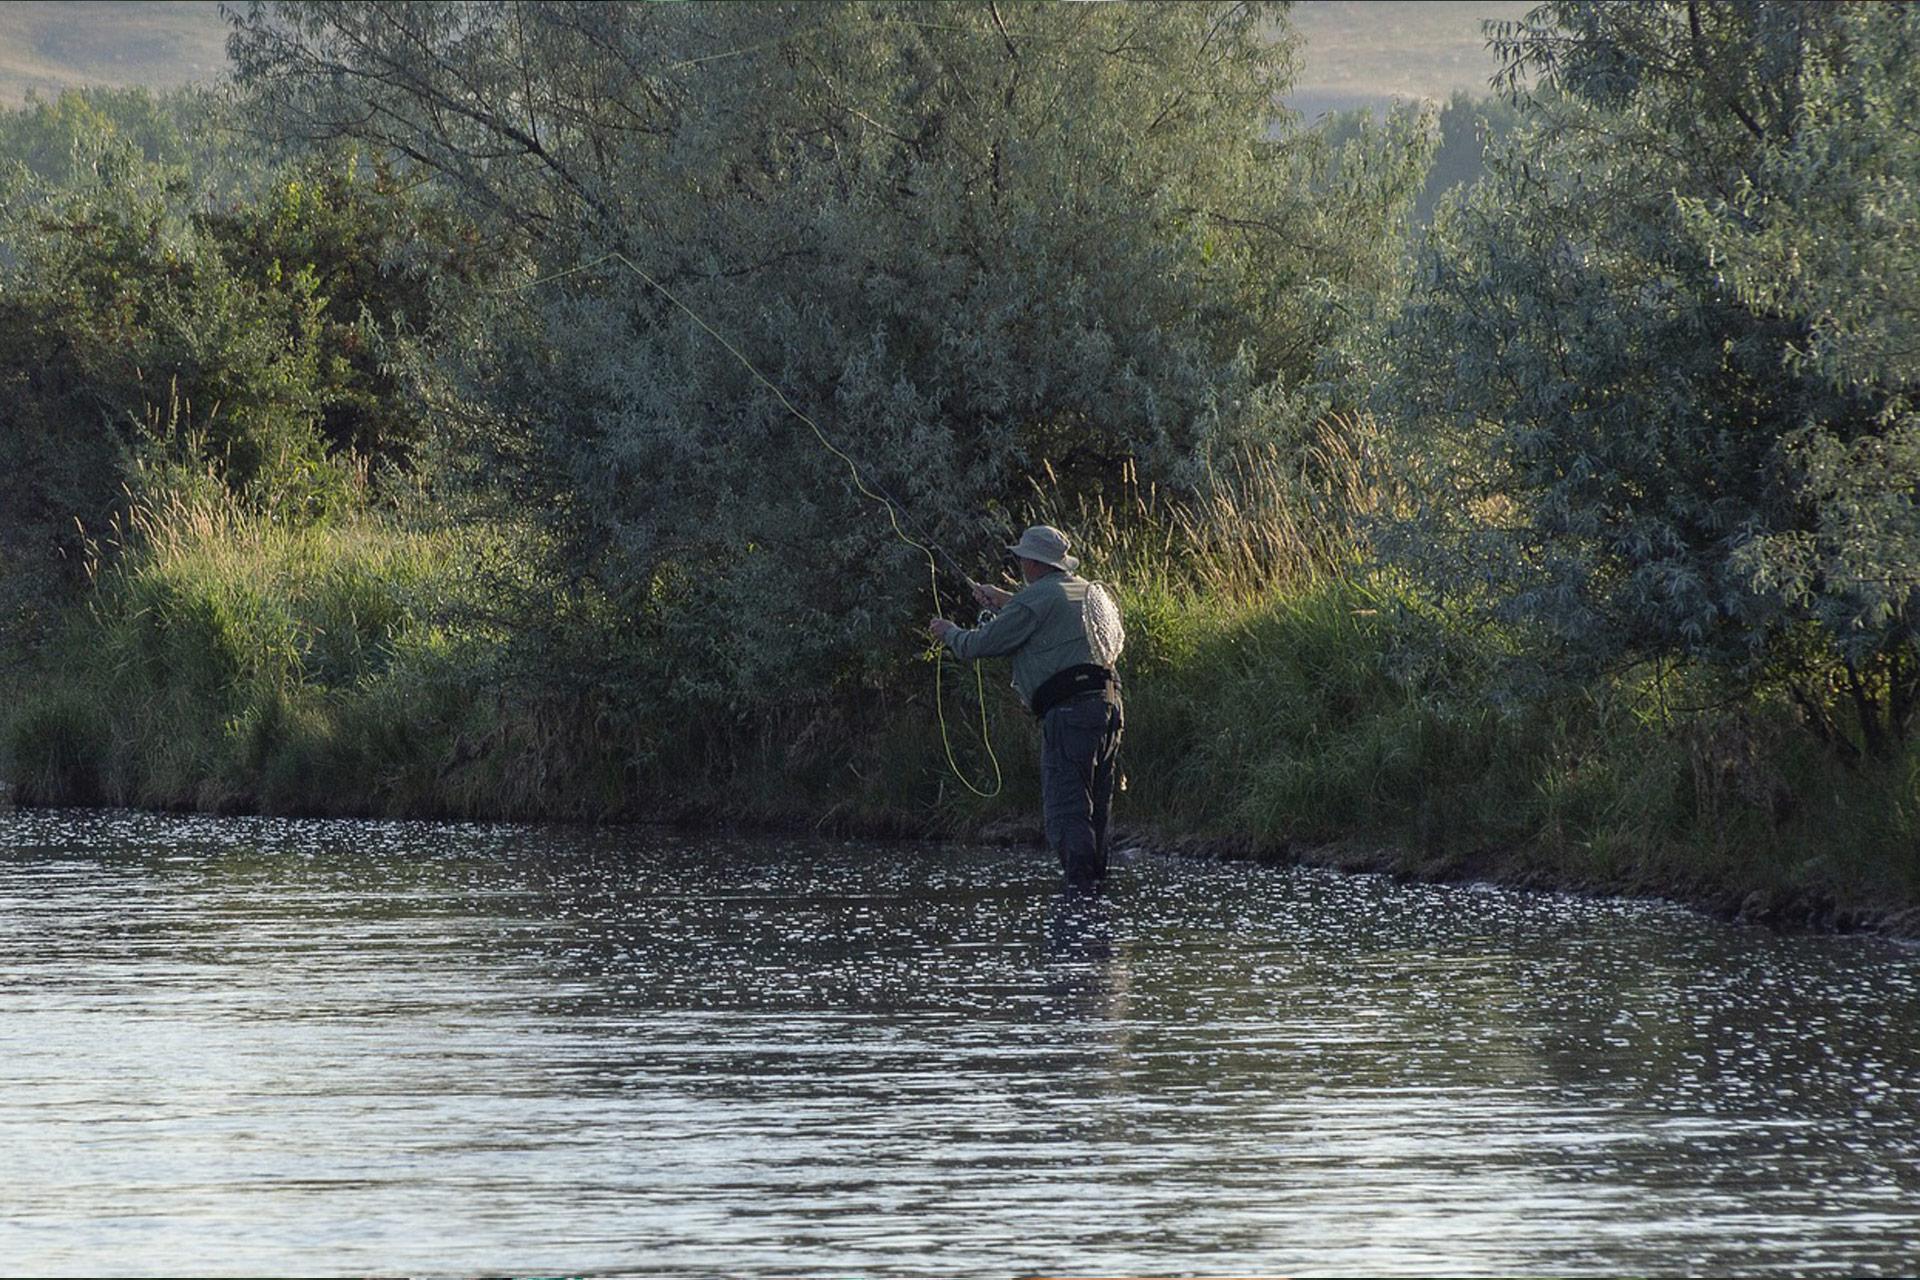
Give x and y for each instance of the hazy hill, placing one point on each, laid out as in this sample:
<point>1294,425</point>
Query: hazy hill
<point>47,45</point>
<point>1359,52</point>
<point>1372,52</point>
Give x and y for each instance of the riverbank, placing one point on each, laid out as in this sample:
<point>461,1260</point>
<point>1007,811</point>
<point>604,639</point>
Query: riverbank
<point>1773,904</point>
<point>370,669</point>
<point>1770,902</point>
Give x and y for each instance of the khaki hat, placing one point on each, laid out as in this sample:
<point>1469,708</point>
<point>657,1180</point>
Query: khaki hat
<point>1046,544</point>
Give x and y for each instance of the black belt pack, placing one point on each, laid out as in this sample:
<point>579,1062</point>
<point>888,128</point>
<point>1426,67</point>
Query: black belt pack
<point>1070,683</point>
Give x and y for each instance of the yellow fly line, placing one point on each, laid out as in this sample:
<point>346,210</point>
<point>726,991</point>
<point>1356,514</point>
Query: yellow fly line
<point>859,483</point>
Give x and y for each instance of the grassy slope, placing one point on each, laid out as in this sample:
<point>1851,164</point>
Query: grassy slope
<point>1373,52</point>
<point>1358,52</point>
<point>47,46</point>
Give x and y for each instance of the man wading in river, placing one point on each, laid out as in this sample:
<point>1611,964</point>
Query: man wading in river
<point>1064,636</point>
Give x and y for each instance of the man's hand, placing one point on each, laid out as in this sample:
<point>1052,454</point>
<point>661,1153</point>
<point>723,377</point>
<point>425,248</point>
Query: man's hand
<point>989,597</point>
<point>940,629</point>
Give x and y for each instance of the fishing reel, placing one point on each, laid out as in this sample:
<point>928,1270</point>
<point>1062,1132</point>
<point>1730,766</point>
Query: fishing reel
<point>986,615</point>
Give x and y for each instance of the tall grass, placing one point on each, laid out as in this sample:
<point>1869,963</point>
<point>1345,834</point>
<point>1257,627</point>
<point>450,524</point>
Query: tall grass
<point>1264,517</point>
<point>230,661</point>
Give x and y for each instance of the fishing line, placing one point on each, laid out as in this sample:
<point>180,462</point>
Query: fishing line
<point>929,550</point>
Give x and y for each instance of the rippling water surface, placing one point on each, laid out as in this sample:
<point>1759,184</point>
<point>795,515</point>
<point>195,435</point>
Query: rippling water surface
<point>241,1046</point>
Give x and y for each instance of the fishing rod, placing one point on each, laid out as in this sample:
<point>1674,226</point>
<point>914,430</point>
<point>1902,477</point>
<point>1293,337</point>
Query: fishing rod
<point>932,550</point>
<point>871,489</point>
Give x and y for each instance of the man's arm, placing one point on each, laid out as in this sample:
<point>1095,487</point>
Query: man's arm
<point>996,637</point>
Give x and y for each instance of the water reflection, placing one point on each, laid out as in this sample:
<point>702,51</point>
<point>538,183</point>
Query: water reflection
<point>241,1044</point>
<point>1086,974</point>
<point>1080,924</point>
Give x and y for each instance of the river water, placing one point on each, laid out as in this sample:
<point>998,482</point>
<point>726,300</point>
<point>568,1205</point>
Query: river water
<point>255,1046</point>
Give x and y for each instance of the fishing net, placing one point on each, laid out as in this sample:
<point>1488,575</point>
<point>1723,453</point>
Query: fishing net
<point>1101,616</point>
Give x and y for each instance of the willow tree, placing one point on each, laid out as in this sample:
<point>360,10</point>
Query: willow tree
<point>1661,359</point>
<point>979,243</point>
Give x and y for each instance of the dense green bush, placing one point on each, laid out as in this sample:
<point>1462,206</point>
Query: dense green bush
<point>161,322</point>
<point>1645,437</point>
<point>1023,241</point>
<point>68,140</point>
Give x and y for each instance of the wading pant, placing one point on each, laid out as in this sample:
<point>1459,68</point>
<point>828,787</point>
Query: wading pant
<point>1079,757</point>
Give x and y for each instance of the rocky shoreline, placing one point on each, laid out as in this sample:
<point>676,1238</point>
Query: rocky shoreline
<point>1781,909</point>
<point>1784,910</point>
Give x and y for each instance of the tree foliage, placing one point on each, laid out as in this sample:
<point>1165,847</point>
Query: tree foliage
<point>149,325</point>
<point>64,140</point>
<point>1467,126</point>
<point>982,244</point>
<point>1827,233</point>
<point>1664,420</point>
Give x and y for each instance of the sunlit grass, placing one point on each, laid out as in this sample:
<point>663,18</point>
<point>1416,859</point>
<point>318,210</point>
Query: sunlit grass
<point>228,660</point>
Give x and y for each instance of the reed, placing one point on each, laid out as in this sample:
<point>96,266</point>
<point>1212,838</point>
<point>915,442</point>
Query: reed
<point>222,653</point>
<point>1264,516</point>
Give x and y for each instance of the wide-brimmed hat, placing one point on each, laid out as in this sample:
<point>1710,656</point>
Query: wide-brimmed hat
<point>1046,544</point>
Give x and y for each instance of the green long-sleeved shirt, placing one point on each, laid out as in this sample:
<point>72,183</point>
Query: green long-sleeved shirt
<point>1043,628</point>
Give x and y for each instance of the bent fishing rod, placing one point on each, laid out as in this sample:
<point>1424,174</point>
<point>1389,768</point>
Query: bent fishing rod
<point>896,511</point>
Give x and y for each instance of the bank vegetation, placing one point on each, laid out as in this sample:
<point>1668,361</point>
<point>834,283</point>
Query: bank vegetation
<point>368,450</point>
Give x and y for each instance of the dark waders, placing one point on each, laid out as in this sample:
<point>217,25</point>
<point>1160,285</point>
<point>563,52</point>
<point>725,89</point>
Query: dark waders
<point>1079,759</point>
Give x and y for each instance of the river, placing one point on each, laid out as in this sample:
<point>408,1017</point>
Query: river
<point>240,1045</point>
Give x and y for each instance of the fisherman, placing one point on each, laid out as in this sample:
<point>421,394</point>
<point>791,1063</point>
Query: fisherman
<point>1064,636</point>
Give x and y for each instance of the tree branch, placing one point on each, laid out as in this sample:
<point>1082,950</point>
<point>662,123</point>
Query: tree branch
<point>1706,71</point>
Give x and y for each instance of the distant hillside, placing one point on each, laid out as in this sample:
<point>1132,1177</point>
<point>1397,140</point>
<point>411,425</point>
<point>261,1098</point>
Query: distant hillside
<point>1373,52</point>
<point>1358,52</point>
<point>47,46</point>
